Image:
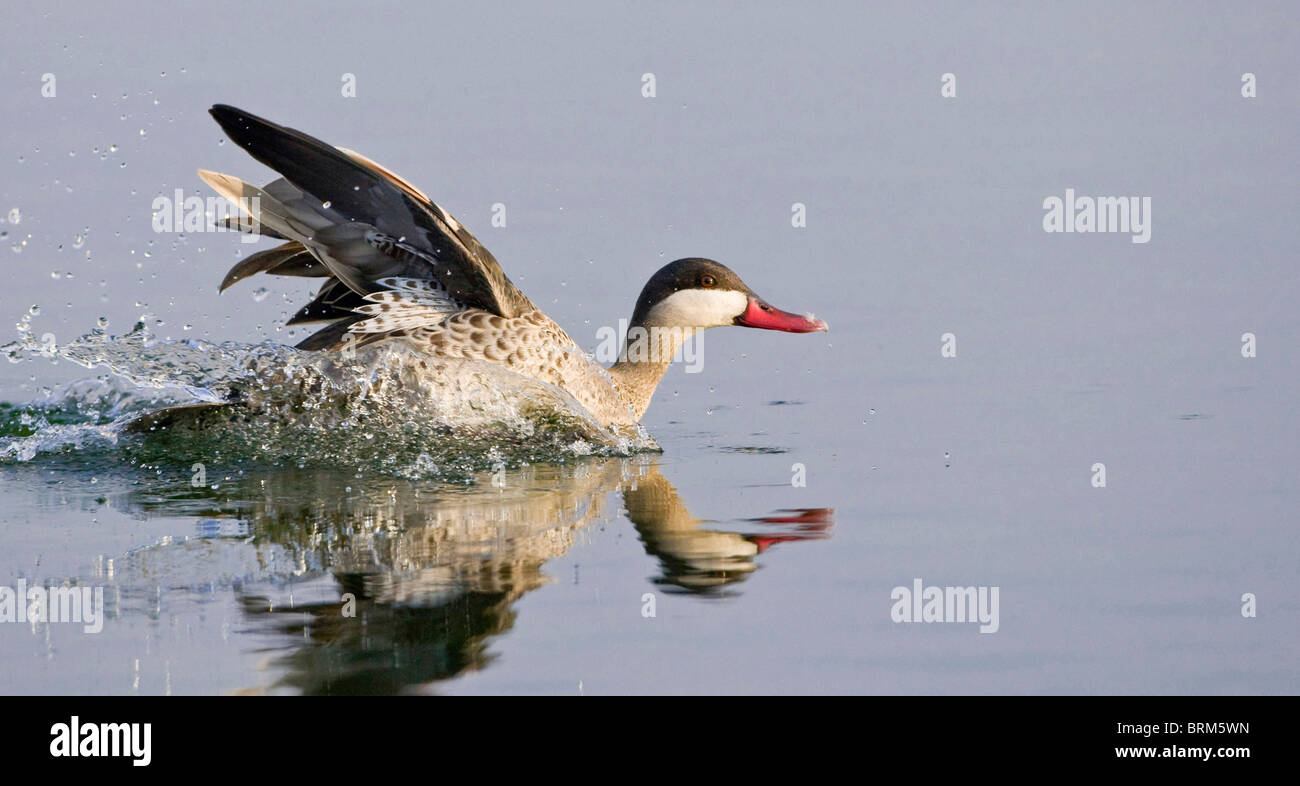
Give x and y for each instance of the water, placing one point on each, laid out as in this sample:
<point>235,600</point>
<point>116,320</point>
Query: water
<point>794,482</point>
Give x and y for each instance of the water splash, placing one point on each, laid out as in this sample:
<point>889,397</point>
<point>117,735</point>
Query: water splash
<point>384,409</point>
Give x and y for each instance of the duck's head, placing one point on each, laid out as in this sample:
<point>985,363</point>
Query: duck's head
<point>700,293</point>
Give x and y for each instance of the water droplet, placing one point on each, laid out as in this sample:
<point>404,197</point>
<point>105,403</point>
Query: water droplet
<point>15,215</point>
<point>78,241</point>
<point>260,294</point>
<point>326,204</point>
<point>112,148</point>
<point>34,310</point>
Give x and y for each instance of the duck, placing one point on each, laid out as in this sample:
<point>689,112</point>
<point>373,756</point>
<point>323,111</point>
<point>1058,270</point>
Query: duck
<point>398,268</point>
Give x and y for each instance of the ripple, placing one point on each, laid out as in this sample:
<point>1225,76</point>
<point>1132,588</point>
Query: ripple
<point>761,450</point>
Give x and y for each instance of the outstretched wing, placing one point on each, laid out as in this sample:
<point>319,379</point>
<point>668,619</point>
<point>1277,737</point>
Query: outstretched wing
<point>363,222</point>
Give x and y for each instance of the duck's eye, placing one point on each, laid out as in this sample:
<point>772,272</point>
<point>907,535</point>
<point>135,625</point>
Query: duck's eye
<point>707,281</point>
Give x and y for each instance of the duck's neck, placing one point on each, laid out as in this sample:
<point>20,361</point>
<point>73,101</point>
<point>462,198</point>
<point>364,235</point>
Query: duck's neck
<point>647,352</point>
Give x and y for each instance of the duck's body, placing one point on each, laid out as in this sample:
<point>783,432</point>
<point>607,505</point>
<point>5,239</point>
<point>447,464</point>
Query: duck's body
<point>399,268</point>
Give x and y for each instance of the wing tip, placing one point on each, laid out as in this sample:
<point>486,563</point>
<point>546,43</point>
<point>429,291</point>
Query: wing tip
<point>216,180</point>
<point>225,113</point>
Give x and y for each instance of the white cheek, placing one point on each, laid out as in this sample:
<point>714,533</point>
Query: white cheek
<point>699,308</point>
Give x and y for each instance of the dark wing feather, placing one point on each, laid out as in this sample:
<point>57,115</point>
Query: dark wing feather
<point>333,301</point>
<point>336,334</point>
<point>365,192</point>
<point>303,265</point>
<point>288,259</point>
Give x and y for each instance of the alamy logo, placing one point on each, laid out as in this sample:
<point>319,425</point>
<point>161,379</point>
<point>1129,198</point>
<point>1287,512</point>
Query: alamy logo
<point>102,739</point>
<point>194,214</point>
<point>1098,214</point>
<point>53,604</point>
<point>920,603</point>
<point>655,344</point>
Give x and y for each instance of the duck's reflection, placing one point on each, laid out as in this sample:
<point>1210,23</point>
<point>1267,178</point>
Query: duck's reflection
<point>399,585</point>
<point>698,558</point>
